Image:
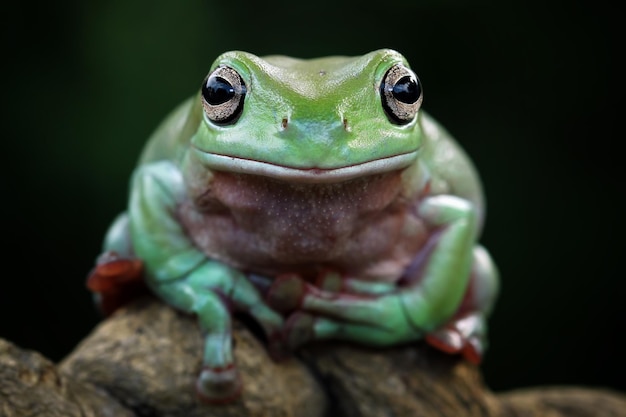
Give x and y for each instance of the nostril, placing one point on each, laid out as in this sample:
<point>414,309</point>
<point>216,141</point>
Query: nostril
<point>284,123</point>
<point>345,125</point>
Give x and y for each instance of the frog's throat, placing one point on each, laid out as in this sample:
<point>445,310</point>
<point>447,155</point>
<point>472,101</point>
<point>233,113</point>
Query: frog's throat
<point>304,175</point>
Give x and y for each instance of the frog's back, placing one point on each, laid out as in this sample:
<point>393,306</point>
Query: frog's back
<point>452,170</point>
<point>169,139</point>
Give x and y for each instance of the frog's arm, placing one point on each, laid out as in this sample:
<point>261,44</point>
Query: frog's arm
<point>451,170</point>
<point>446,304</point>
<point>410,311</point>
<point>182,275</point>
<point>383,314</point>
<point>170,138</point>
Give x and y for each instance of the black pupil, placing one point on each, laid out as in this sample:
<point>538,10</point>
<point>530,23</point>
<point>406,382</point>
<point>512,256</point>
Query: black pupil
<point>406,90</point>
<point>217,90</point>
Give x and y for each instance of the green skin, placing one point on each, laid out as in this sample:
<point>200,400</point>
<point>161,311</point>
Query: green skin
<point>312,211</point>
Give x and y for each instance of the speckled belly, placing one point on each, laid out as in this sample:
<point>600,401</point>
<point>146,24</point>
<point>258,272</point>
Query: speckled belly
<point>363,227</point>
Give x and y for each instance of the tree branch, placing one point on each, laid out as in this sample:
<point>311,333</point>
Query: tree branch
<point>143,361</point>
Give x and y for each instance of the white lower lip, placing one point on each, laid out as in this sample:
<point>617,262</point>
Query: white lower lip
<point>305,175</point>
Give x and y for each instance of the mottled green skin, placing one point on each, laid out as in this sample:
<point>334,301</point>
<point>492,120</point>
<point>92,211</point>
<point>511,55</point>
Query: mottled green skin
<point>271,195</point>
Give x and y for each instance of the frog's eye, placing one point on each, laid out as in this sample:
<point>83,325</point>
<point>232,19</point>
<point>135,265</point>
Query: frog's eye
<point>223,92</point>
<point>401,94</point>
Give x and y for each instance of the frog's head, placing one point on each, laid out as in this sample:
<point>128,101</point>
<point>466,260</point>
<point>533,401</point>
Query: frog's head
<point>320,120</point>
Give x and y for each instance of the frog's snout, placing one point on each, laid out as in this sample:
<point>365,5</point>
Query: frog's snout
<point>344,122</point>
<point>315,126</point>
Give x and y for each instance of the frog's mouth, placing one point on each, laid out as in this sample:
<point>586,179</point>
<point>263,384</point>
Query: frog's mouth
<point>305,175</point>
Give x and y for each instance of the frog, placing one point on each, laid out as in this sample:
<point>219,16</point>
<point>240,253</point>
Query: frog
<point>318,199</point>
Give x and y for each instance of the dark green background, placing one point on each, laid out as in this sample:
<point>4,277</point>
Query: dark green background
<point>529,89</point>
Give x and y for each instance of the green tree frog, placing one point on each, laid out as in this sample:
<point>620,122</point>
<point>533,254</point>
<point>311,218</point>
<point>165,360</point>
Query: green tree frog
<point>314,196</point>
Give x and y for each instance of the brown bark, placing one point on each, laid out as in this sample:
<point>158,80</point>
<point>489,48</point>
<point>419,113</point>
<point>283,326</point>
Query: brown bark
<point>144,359</point>
<point>30,385</point>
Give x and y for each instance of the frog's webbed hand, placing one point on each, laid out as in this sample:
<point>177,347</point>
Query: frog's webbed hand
<point>409,311</point>
<point>182,275</point>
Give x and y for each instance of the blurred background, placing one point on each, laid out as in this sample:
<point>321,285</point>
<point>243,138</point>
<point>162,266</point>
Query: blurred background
<point>528,89</point>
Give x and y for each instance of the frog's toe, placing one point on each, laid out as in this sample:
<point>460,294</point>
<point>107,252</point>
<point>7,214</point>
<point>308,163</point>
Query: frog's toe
<point>302,328</point>
<point>286,293</point>
<point>452,342</point>
<point>218,385</point>
<point>473,350</point>
<point>446,340</point>
<point>115,281</point>
<point>299,329</point>
<point>464,335</point>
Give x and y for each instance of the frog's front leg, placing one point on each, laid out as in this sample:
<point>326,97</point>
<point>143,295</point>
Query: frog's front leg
<point>182,275</point>
<point>409,311</point>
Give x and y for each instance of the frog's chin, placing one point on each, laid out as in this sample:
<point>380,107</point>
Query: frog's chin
<point>305,175</point>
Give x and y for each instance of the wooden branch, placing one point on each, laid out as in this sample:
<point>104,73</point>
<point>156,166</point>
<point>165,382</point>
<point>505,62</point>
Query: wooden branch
<point>32,386</point>
<point>144,359</point>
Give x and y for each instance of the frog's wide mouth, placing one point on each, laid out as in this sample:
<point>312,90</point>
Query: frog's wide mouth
<point>304,175</point>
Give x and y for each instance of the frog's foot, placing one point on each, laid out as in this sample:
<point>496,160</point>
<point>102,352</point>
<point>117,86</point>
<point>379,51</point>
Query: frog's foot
<point>304,327</point>
<point>289,292</point>
<point>464,335</point>
<point>115,281</point>
<point>373,315</point>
